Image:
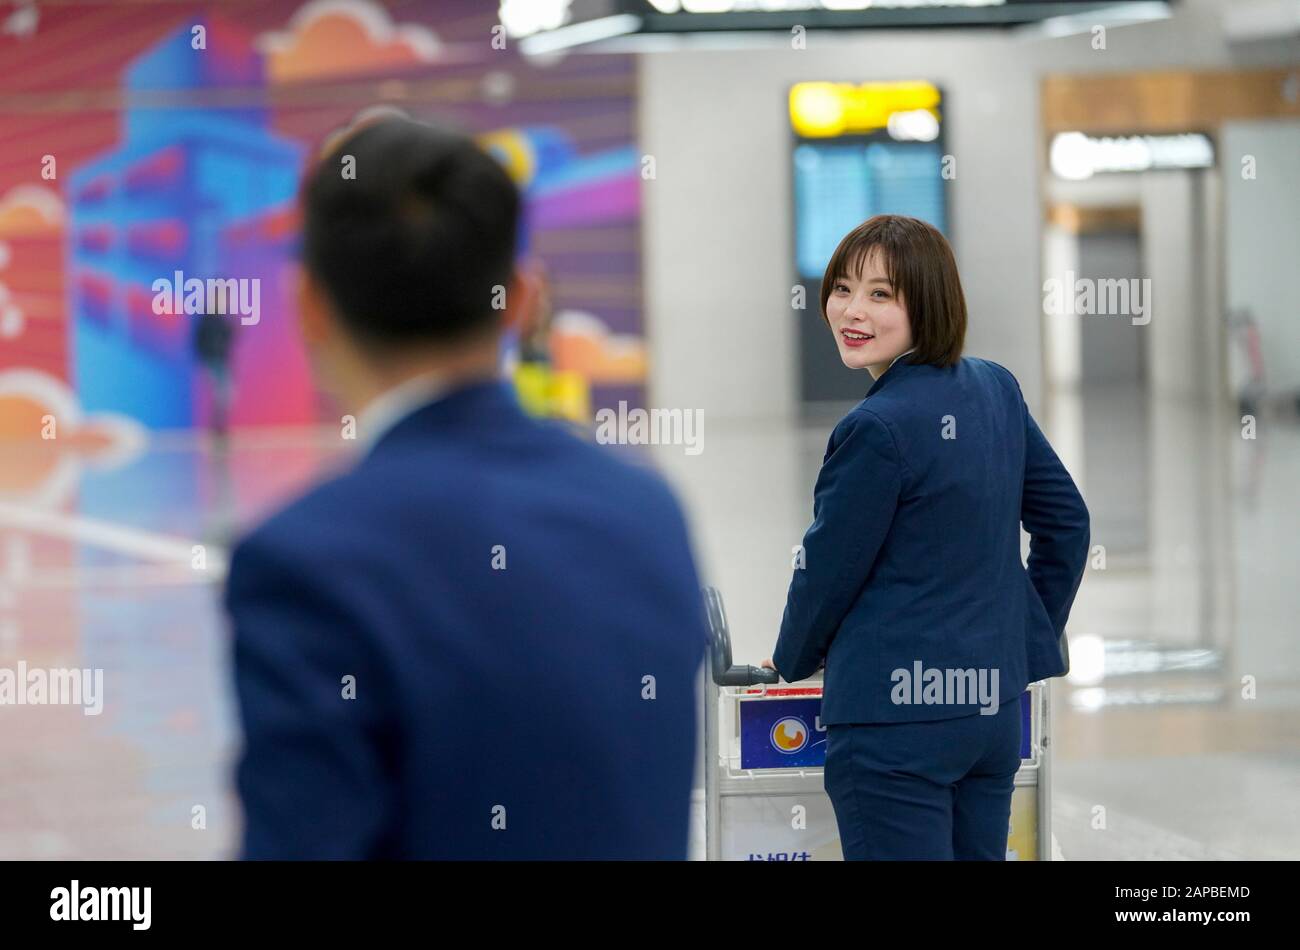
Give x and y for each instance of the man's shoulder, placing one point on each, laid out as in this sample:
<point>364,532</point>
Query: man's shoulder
<point>612,467</point>
<point>313,525</point>
<point>339,514</point>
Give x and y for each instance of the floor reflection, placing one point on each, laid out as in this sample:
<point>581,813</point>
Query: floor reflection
<point>104,576</point>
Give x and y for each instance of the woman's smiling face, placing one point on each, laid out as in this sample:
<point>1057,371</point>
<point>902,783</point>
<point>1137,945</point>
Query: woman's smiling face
<point>868,317</point>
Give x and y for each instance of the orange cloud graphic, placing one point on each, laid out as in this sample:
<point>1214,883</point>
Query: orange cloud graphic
<point>38,469</point>
<point>581,343</point>
<point>342,37</point>
<point>30,211</point>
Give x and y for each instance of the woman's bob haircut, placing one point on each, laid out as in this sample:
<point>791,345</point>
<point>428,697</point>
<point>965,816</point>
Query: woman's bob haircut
<point>923,273</point>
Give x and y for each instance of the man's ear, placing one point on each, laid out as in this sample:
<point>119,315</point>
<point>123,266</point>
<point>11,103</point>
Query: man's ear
<point>523,299</point>
<point>315,320</point>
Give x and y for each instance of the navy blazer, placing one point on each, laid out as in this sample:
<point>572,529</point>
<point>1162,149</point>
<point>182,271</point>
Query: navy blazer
<point>913,558</point>
<point>518,614</point>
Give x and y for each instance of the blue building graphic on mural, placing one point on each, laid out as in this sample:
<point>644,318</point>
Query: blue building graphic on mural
<point>196,157</point>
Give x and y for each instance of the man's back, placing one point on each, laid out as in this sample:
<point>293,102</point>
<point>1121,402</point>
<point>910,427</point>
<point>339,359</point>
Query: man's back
<point>481,642</point>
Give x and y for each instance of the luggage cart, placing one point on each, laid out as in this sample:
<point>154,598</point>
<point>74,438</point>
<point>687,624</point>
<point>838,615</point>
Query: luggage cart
<point>764,752</point>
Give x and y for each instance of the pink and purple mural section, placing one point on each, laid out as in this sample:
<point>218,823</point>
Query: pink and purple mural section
<point>191,171</point>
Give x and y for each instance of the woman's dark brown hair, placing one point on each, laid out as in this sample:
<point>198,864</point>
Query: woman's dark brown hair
<point>921,268</point>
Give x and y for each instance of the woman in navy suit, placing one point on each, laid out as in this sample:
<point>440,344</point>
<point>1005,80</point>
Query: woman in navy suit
<point>911,590</point>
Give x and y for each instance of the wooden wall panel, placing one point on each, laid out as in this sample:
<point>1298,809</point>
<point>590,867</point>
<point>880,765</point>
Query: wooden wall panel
<point>1174,101</point>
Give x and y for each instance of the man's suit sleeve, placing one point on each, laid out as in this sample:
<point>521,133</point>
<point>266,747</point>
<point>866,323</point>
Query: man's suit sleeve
<point>853,506</point>
<point>1054,514</point>
<point>310,775</point>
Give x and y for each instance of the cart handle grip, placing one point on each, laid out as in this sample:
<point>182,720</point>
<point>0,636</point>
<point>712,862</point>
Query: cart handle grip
<point>722,670</point>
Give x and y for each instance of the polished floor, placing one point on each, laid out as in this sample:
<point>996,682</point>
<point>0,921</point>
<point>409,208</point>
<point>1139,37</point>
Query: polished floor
<point>1178,735</point>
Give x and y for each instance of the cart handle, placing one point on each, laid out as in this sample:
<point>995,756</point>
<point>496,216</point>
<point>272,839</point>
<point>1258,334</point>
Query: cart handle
<point>720,665</point>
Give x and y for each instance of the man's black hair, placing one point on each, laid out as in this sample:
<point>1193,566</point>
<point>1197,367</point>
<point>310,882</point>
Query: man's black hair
<point>411,249</point>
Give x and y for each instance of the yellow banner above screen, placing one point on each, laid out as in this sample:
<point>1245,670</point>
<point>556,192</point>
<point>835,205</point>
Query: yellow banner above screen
<point>827,109</point>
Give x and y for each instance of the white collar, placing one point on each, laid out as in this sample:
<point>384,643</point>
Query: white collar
<point>393,405</point>
<point>892,362</point>
<point>897,358</point>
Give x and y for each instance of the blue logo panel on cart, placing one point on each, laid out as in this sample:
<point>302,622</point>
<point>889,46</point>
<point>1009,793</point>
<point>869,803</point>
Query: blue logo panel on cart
<point>782,734</point>
<point>788,733</point>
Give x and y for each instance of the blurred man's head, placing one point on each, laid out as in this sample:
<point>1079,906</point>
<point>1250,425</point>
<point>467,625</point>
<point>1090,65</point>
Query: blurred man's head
<point>409,235</point>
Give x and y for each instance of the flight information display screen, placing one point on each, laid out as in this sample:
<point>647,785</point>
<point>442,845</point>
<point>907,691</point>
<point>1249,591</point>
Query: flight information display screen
<point>838,185</point>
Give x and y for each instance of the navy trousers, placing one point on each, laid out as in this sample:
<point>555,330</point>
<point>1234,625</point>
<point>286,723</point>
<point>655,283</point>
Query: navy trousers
<point>936,791</point>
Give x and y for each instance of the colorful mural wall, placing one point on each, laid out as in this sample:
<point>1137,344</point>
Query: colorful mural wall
<point>172,142</point>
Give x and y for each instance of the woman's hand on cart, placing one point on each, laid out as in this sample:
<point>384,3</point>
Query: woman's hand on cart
<point>769,665</point>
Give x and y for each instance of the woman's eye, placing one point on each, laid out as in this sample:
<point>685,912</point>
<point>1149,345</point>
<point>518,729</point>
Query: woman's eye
<point>883,294</point>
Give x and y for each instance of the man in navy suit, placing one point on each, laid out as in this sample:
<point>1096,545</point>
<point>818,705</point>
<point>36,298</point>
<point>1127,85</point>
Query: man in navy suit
<point>482,640</point>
